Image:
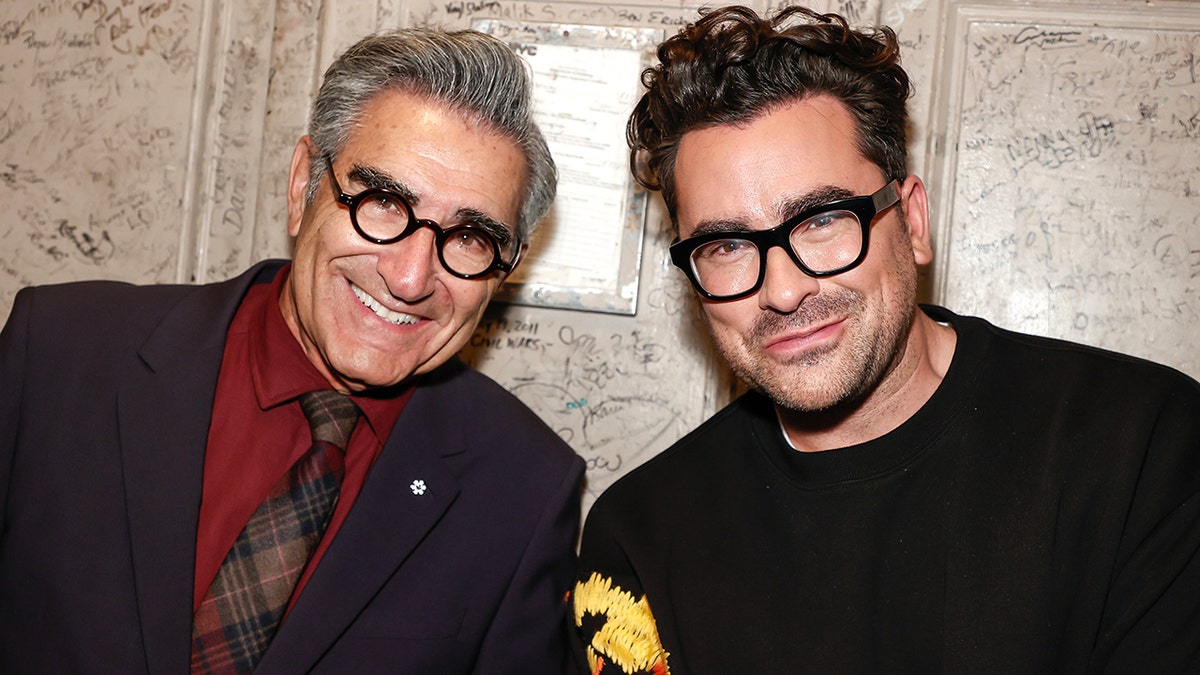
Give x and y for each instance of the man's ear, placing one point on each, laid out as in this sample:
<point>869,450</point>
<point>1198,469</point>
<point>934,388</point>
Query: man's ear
<point>298,177</point>
<point>916,216</point>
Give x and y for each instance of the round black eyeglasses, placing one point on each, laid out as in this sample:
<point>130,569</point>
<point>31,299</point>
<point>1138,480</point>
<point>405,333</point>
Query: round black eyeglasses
<point>468,251</point>
<point>823,241</point>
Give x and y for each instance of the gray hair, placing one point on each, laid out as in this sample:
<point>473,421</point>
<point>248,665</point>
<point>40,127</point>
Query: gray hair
<point>469,71</point>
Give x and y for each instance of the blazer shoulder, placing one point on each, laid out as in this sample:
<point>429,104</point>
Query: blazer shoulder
<point>121,301</point>
<point>85,299</point>
<point>94,316</point>
<point>100,311</point>
<point>491,414</point>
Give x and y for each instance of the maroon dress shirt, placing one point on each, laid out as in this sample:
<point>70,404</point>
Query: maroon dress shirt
<point>258,431</point>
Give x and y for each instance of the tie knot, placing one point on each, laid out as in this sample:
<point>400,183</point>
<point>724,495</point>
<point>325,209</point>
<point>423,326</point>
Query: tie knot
<point>331,416</point>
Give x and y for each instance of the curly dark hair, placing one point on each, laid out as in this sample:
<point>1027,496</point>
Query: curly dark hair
<point>731,66</point>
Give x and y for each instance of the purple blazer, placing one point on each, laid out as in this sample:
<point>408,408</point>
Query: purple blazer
<point>106,394</point>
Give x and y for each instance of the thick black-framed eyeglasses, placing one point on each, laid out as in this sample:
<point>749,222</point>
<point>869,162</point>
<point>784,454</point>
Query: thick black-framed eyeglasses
<point>823,241</point>
<point>383,216</point>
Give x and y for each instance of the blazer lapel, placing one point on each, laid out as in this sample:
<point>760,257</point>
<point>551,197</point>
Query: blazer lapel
<point>387,522</point>
<point>164,413</point>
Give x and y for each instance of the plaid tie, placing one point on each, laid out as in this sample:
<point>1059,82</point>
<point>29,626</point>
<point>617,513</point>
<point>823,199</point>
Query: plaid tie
<point>238,617</point>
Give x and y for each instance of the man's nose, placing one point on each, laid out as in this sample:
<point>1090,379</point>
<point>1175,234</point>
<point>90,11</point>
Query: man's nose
<point>785,286</point>
<point>408,266</point>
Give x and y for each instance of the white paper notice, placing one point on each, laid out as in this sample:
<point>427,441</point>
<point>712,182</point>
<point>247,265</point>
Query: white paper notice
<point>582,98</point>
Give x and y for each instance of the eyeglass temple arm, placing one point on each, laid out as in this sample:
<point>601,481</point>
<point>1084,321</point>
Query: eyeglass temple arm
<point>509,267</point>
<point>888,195</point>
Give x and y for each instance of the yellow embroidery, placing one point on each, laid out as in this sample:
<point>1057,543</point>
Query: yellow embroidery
<point>629,637</point>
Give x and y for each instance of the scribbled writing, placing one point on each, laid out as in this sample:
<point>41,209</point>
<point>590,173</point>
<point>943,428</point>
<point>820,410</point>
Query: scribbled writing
<point>1076,184</point>
<point>553,12</point>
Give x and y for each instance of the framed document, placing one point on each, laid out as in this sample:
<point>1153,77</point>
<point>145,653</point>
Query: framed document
<point>586,252</point>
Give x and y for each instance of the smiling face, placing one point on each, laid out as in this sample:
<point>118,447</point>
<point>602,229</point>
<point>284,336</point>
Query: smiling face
<point>810,344</point>
<point>371,316</point>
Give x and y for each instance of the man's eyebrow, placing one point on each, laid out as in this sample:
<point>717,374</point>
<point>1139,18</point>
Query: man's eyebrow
<point>711,225</point>
<point>503,233</point>
<point>371,179</point>
<point>788,208</point>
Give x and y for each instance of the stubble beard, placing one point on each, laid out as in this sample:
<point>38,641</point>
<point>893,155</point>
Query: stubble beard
<point>831,377</point>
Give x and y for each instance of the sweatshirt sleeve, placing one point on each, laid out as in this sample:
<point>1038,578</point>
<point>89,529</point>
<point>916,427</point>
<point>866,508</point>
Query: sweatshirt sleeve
<point>1151,620</point>
<point>614,631</point>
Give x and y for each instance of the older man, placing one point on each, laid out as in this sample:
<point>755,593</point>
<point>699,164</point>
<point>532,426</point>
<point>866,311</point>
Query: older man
<point>289,471</point>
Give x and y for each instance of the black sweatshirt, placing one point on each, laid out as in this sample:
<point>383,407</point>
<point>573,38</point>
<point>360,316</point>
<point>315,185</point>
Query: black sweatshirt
<point>1040,514</point>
